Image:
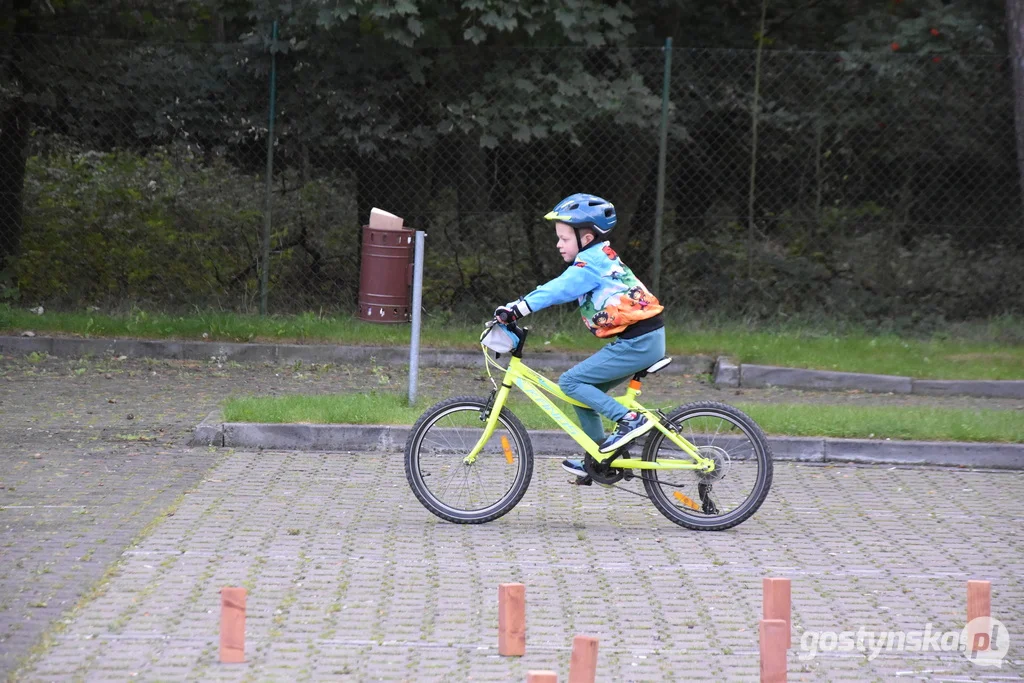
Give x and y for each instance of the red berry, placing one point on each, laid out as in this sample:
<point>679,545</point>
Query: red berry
<point>895,46</point>
<point>934,31</point>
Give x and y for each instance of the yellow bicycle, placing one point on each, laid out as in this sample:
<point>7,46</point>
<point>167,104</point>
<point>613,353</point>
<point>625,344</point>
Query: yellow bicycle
<point>705,465</point>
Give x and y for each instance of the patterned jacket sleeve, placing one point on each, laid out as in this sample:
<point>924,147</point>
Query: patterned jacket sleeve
<point>569,286</point>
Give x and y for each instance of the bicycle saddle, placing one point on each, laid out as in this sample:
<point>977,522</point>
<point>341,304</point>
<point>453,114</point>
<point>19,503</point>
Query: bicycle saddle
<point>654,368</point>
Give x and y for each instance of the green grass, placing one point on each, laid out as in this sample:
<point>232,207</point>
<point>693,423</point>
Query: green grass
<point>927,424</point>
<point>369,408</point>
<point>231,327</point>
<point>913,423</point>
<point>990,350</point>
<point>858,352</point>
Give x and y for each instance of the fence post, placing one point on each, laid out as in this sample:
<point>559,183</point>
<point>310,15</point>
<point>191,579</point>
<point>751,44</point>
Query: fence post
<point>265,256</point>
<point>659,209</point>
<point>753,143</point>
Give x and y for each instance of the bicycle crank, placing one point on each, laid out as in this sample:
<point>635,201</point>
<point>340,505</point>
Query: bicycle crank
<point>601,472</point>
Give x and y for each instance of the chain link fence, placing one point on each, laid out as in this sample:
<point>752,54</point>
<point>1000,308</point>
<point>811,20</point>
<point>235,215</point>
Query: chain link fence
<point>861,186</point>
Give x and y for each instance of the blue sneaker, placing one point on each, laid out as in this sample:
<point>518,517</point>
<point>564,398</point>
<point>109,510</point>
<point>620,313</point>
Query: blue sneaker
<point>631,426</point>
<point>574,467</point>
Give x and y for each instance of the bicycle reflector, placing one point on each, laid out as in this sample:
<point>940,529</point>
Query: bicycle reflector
<point>507,447</point>
<point>685,500</point>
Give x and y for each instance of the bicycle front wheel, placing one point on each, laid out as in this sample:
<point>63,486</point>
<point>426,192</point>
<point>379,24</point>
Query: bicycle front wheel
<point>739,483</point>
<point>461,492</point>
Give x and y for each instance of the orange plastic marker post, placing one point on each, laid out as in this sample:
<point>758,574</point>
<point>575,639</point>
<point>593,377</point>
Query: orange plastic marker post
<point>232,625</point>
<point>773,637</point>
<point>776,604</point>
<point>979,604</point>
<point>541,677</point>
<point>512,619</point>
<point>583,663</point>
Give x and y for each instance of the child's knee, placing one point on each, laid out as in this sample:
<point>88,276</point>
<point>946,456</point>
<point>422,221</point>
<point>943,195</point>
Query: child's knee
<point>567,382</point>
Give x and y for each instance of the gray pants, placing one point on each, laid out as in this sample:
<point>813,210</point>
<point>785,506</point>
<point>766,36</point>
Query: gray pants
<point>588,381</point>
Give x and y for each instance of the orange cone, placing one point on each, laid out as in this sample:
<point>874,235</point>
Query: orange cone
<point>774,634</point>
<point>776,604</point>
<point>232,625</point>
<point>512,619</point>
<point>583,664</point>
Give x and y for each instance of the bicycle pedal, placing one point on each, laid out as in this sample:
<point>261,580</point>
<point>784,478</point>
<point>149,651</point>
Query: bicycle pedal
<point>582,481</point>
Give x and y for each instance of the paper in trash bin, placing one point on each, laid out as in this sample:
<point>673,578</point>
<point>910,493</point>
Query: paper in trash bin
<point>383,220</point>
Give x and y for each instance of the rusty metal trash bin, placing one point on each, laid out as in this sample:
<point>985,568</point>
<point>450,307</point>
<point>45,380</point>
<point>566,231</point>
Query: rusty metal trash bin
<point>385,274</point>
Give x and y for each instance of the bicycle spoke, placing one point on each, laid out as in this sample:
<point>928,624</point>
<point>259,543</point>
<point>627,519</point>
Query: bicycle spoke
<point>732,490</point>
<point>460,488</point>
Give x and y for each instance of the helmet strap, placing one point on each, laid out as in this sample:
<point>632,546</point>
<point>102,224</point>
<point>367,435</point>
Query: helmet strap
<point>579,242</point>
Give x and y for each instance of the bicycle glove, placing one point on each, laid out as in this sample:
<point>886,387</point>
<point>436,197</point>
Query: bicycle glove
<point>512,311</point>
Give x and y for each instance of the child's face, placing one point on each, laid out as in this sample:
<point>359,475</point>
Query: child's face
<point>567,241</point>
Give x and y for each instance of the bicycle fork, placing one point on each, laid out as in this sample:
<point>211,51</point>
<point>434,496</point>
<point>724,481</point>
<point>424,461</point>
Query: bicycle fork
<point>493,410</point>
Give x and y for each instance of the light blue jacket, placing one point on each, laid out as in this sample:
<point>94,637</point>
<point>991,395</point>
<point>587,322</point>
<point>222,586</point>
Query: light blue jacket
<point>610,296</point>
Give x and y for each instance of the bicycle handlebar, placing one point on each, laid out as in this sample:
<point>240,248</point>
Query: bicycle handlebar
<point>521,332</point>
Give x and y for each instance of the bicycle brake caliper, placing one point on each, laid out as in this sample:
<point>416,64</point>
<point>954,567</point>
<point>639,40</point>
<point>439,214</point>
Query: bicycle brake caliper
<point>486,412</point>
<point>663,418</point>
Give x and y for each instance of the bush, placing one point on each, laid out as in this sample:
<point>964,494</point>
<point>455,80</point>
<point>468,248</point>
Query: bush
<point>170,230</point>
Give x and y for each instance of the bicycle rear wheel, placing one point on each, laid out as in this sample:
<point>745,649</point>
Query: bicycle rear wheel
<point>733,491</point>
<point>464,493</point>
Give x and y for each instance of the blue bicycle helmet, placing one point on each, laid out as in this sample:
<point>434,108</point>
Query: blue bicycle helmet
<point>584,211</point>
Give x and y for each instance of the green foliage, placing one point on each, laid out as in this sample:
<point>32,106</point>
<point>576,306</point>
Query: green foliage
<point>169,227</point>
<point>118,226</point>
<point>486,112</point>
<point>853,264</point>
<point>926,27</point>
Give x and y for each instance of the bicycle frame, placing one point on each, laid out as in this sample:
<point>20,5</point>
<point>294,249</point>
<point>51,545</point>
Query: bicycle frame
<point>533,384</point>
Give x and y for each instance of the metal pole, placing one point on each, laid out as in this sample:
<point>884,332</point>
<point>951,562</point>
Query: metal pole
<point>659,210</point>
<point>753,144</point>
<point>417,300</point>
<point>265,270</point>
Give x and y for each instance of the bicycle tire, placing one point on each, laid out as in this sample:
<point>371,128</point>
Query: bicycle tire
<point>762,453</point>
<point>414,473</point>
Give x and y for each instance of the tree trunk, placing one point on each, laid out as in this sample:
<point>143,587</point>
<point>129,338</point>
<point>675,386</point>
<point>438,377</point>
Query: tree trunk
<point>14,125</point>
<point>1015,46</point>
<point>473,186</point>
<point>13,144</point>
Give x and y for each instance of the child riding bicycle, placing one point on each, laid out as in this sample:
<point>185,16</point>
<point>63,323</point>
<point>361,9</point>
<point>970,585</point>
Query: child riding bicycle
<point>613,304</point>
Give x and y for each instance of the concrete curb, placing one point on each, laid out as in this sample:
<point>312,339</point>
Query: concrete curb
<point>392,438</point>
<point>307,353</point>
<point>729,374</point>
<point>724,371</point>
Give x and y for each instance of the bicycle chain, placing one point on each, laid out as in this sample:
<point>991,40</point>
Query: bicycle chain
<point>645,478</point>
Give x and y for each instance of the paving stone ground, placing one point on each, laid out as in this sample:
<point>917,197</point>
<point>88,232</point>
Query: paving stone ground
<point>349,577</point>
<point>115,539</point>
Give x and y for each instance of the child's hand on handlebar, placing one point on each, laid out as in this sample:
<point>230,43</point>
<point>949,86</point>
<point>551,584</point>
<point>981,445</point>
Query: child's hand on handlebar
<point>511,312</point>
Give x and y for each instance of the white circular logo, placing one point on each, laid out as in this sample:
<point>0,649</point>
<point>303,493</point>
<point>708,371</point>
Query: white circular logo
<point>985,641</point>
